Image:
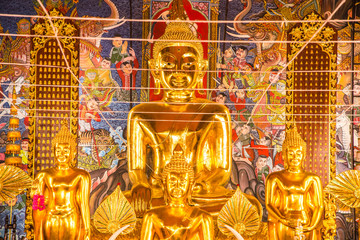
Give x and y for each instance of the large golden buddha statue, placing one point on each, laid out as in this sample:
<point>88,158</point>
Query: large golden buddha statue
<point>200,126</point>
<point>294,198</point>
<point>178,219</point>
<point>64,212</point>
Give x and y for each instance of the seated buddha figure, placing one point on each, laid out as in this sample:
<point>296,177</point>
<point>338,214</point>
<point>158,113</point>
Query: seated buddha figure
<point>293,196</point>
<point>200,126</point>
<point>65,191</point>
<point>178,219</point>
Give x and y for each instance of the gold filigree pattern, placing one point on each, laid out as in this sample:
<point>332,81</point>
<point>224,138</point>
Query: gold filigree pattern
<point>114,213</point>
<point>346,188</point>
<point>13,181</point>
<point>239,214</point>
<point>315,108</point>
<point>44,49</point>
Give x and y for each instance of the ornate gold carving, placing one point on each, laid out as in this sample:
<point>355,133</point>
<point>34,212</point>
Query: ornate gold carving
<point>45,51</point>
<point>315,56</point>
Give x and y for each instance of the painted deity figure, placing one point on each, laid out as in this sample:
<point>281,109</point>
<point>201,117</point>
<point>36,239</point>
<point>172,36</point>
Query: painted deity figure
<point>201,127</point>
<point>178,219</point>
<point>294,197</point>
<point>65,191</point>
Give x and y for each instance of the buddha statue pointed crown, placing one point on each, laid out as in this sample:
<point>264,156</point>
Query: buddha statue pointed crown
<point>178,164</point>
<point>294,139</point>
<point>175,34</point>
<point>64,136</point>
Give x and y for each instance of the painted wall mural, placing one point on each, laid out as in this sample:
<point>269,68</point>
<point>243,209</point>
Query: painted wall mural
<point>245,59</point>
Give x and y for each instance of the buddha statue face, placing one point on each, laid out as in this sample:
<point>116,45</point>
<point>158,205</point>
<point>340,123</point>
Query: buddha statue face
<point>62,153</point>
<point>179,67</point>
<point>177,186</point>
<point>294,156</point>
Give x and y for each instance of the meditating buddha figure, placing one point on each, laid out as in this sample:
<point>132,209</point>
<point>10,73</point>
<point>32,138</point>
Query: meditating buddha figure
<point>294,197</point>
<point>65,191</point>
<point>178,219</point>
<point>200,126</point>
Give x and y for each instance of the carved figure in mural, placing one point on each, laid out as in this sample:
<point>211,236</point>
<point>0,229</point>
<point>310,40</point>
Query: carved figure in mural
<point>242,151</point>
<point>119,50</point>
<point>178,219</point>
<point>276,102</point>
<point>228,57</point>
<point>89,110</point>
<point>105,73</point>
<point>178,67</point>
<point>98,150</point>
<point>127,71</point>
<point>92,82</point>
<point>294,196</point>
<point>91,32</point>
<point>65,190</point>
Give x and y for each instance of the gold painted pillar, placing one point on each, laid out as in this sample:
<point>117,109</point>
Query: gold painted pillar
<point>54,92</point>
<point>311,99</point>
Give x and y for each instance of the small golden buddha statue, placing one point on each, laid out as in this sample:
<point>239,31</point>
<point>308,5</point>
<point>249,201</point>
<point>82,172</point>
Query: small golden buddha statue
<point>65,190</point>
<point>200,126</point>
<point>177,220</point>
<point>294,197</point>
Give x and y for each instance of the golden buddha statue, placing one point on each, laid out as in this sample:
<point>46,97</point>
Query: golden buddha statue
<point>65,190</point>
<point>177,220</point>
<point>293,197</point>
<point>200,126</point>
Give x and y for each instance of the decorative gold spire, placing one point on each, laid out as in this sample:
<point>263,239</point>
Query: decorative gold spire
<point>13,109</point>
<point>64,136</point>
<point>294,139</point>
<point>178,164</point>
<point>175,33</point>
<point>13,135</point>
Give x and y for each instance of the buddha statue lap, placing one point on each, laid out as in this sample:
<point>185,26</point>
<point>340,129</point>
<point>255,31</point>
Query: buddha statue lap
<point>178,219</point>
<point>294,197</point>
<point>201,127</point>
<point>65,191</point>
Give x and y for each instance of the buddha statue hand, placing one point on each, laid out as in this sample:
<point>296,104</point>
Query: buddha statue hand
<point>201,187</point>
<point>141,199</point>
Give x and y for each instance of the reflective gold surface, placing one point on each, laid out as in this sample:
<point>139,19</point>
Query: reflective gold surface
<point>66,191</point>
<point>177,220</point>
<point>201,127</point>
<point>294,197</point>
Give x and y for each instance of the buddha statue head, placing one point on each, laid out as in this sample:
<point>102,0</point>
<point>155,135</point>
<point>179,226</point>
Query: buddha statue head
<point>64,146</point>
<point>294,149</point>
<point>178,179</point>
<point>178,62</point>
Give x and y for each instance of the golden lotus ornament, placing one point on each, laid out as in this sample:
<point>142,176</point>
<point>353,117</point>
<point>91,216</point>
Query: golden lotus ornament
<point>346,188</point>
<point>239,214</point>
<point>13,181</point>
<point>114,213</point>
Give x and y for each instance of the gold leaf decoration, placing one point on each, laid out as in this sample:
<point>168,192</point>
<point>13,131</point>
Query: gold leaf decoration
<point>346,188</point>
<point>239,214</point>
<point>114,213</point>
<point>13,181</point>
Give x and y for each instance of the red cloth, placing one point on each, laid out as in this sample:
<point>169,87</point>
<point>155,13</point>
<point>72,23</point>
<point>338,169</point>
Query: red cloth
<point>239,103</point>
<point>262,149</point>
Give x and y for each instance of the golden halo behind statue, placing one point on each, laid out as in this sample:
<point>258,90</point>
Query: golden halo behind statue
<point>239,214</point>
<point>346,188</point>
<point>13,181</point>
<point>114,213</point>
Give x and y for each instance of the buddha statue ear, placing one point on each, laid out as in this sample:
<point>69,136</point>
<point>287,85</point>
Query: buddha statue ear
<point>203,65</point>
<point>154,69</point>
